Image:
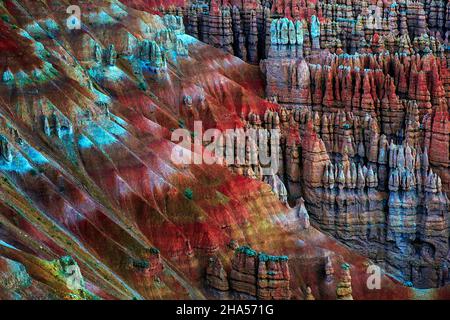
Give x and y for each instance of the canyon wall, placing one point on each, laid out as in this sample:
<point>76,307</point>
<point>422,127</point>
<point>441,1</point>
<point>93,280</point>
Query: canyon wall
<point>364,91</point>
<point>243,28</point>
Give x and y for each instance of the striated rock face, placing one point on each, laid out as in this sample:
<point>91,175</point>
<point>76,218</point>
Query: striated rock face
<point>365,120</point>
<point>243,276</point>
<point>374,141</point>
<point>216,277</point>
<point>235,28</point>
<point>364,95</point>
<point>273,277</point>
<point>344,286</point>
<point>372,193</point>
<point>260,275</point>
<point>372,132</point>
<point>339,26</point>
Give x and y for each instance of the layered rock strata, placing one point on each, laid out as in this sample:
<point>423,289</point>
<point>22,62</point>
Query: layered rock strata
<point>243,27</point>
<point>383,198</point>
<point>255,274</point>
<point>365,141</point>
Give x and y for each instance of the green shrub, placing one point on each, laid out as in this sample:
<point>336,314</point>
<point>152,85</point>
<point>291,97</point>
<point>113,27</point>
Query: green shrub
<point>154,250</point>
<point>246,250</point>
<point>188,193</point>
<point>142,86</point>
<point>345,266</point>
<point>5,17</point>
<point>141,264</point>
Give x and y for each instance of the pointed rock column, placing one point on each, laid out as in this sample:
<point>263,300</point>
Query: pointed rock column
<point>344,287</point>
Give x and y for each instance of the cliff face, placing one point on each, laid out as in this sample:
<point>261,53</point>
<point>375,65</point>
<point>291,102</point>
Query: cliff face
<point>244,27</point>
<point>375,142</point>
<point>88,187</point>
<point>364,90</point>
<point>260,275</point>
<point>373,190</point>
<point>384,199</point>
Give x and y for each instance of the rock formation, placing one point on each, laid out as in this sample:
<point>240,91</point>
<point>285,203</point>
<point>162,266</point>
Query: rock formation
<point>345,26</point>
<point>260,275</point>
<point>354,117</point>
<point>329,270</point>
<point>344,287</point>
<point>309,295</point>
<point>358,184</point>
<point>216,277</point>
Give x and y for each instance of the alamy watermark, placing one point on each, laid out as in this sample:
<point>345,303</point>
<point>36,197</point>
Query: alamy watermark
<point>239,147</point>
<point>74,279</point>
<point>374,279</point>
<point>374,18</point>
<point>73,22</point>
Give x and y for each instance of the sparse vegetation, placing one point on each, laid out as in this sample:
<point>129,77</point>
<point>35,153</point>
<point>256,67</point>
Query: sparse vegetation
<point>188,193</point>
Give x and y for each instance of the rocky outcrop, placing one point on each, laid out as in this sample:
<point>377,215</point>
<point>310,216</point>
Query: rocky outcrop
<point>273,277</point>
<point>344,286</point>
<point>260,275</point>
<point>372,193</point>
<point>85,154</point>
<point>216,277</point>
<point>243,276</point>
<point>236,29</point>
<point>309,294</point>
<point>345,26</point>
<point>150,265</point>
<point>359,113</point>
